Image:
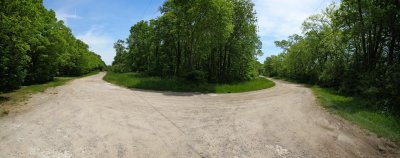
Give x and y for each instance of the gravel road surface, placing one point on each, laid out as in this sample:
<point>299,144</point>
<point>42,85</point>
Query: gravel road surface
<point>89,117</point>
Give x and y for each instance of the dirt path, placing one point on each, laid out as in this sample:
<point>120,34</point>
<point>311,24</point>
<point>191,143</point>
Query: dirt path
<point>91,118</point>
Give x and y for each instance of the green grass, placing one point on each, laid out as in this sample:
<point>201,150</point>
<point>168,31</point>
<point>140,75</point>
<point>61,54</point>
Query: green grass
<point>253,85</point>
<point>135,80</point>
<point>8,100</point>
<point>355,109</point>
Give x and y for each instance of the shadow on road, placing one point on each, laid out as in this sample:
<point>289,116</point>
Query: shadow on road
<point>169,93</point>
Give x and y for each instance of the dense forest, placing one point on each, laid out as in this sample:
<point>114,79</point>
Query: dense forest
<point>198,40</point>
<point>35,46</point>
<point>353,47</point>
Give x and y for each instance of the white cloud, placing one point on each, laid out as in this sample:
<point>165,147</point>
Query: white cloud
<point>99,42</point>
<point>61,15</point>
<point>95,36</point>
<point>278,19</point>
<point>284,17</point>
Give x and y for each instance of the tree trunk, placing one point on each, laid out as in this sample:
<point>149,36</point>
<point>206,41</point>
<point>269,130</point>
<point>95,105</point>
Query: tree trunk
<point>363,44</point>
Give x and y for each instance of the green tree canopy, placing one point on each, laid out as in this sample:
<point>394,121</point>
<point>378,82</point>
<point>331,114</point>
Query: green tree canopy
<point>213,39</point>
<point>353,47</point>
<point>35,46</point>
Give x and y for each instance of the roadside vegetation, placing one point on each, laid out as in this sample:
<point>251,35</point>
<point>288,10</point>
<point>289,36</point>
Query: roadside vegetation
<point>201,41</point>
<point>358,111</point>
<point>135,80</point>
<point>353,47</point>
<point>9,100</point>
<point>35,47</point>
<point>352,51</point>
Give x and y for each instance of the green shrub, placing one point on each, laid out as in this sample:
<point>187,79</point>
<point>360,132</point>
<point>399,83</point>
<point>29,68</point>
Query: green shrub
<point>196,76</point>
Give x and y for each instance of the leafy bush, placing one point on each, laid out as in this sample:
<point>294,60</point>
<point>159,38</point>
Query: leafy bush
<point>196,76</point>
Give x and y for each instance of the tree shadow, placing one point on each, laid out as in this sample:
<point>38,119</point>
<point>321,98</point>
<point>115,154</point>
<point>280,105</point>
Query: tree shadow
<point>181,94</point>
<point>169,93</point>
<point>174,87</point>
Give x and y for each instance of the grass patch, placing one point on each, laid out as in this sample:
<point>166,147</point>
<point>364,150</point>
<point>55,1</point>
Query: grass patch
<point>253,85</point>
<point>58,81</point>
<point>24,91</point>
<point>8,100</point>
<point>135,80</point>
<point>355,109</point>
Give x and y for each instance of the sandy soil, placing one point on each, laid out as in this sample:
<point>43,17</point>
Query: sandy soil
<point>91,118</point>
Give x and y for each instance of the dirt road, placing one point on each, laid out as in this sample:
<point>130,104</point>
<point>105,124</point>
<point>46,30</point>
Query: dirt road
<point>91,118</point>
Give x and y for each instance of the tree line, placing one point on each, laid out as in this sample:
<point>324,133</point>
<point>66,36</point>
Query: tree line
<point>353,47</point>
<point>199,40</point>
<point>35,46</point>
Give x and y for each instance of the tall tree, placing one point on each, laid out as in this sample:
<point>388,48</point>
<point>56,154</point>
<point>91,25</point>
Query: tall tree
<point>181,42</point>
<point>353,47</point>
<point>35,46</point>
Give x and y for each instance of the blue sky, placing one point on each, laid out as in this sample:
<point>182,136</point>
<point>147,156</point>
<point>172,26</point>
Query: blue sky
<point>100,23</point>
